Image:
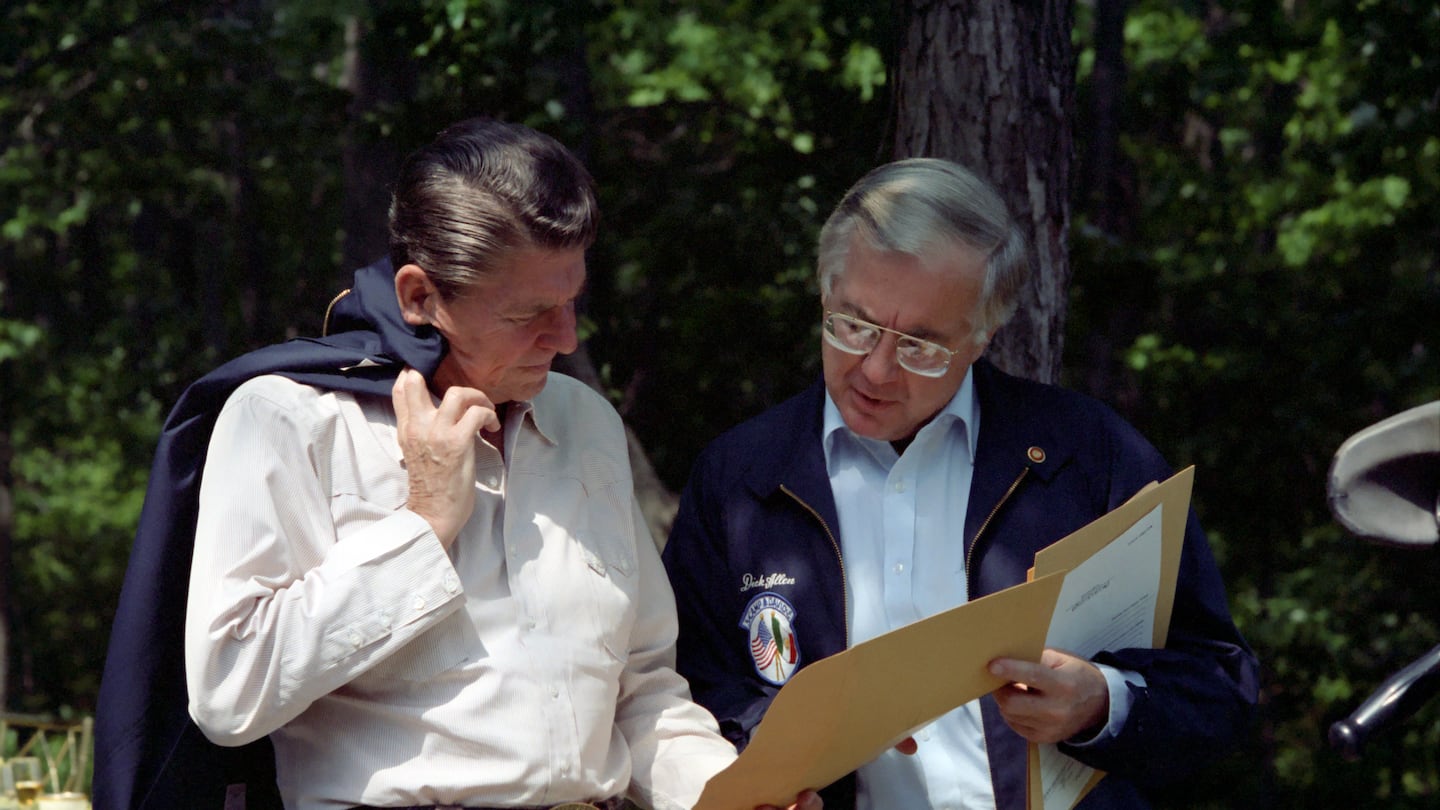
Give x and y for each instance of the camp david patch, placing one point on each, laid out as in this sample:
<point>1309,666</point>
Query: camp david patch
<point>770,621</point>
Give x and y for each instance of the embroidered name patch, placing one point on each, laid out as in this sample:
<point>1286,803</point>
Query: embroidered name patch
<point>750,582</point>
<point>770,621</point>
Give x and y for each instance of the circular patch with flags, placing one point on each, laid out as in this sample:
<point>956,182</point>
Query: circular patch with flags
<point>770,621</point>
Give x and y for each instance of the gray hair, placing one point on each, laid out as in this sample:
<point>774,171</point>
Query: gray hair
<point>920,207</point>
<point>481,190</point>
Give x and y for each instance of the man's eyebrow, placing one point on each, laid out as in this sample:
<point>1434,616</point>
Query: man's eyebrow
<point>848,308</point>
<point>925,334</point>
<point>539,307</point>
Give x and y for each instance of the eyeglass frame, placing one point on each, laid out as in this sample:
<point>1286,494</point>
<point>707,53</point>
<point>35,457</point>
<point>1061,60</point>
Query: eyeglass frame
<point>828,332</point>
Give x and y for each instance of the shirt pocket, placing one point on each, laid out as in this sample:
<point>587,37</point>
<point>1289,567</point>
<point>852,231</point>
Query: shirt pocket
<point>606,544</point>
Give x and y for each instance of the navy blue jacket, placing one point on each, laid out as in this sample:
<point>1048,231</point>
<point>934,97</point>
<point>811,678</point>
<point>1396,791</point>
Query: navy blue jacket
<point>759,502</point>
<point>149,755</point>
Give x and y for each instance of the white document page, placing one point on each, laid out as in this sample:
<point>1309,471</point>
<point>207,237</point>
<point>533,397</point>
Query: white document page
<point>1106,603</point>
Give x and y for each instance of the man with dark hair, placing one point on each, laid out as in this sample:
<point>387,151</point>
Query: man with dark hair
<point>916,476</point>
<point>420,574</point>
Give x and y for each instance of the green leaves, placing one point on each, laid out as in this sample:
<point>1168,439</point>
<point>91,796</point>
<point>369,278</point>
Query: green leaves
<point>746,59</point>
<point>1278,293</point>
<point>1338,224</point>
<point>864,69</point>
<point>17,339</point>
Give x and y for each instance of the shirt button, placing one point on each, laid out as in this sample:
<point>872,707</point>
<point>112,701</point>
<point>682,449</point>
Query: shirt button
<point>419,603</point>
<point>899,568</point>
<point>530,625</point>
<point>356,640</point>
<point>451,583</point>
<point>492,481</point>
<point>555,692</point>
<point>385,619</point>
<point>899,486</point>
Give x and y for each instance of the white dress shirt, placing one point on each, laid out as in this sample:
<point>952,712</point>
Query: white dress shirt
<point>902,520</point>
<point>530,665</point>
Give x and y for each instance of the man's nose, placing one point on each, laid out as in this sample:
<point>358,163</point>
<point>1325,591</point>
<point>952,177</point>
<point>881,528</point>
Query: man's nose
<point>881,363</point>
<point>560,334</point>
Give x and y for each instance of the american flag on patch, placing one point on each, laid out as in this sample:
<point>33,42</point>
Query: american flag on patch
<point>762,646</point>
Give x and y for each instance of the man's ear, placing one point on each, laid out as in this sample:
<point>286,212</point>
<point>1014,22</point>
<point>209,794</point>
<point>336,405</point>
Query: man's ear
<point>416,294</point>
<point>985,344</point>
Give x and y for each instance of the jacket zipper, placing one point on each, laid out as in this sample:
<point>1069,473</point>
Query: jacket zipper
<point>970,589</point>
<point>839,558</point>
<point>975,541</point>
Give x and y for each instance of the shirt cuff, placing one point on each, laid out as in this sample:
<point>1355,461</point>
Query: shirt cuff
<point>1118,681</point>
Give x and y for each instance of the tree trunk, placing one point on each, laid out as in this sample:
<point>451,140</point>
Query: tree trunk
<point>377,74</point>
<point>990,84</point>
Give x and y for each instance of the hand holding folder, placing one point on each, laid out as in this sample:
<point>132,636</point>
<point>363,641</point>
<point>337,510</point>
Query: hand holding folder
<point>841,712</point>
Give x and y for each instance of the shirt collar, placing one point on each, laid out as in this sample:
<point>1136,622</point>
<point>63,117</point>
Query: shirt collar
<point>964,407</point>
<point>539,411</point>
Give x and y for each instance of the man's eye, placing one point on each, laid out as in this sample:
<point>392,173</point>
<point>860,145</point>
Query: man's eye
<point>920,350</point>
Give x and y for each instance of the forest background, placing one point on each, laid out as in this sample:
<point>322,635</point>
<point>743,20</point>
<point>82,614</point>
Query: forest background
<point>1253,258</point>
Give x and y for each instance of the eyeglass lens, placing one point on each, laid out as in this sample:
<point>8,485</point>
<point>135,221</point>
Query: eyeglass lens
<point>860,337</point>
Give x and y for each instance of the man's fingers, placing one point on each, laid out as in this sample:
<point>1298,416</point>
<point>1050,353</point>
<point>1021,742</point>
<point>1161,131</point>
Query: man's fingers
<point>1029,674</point>
<point>809,800</point>
<point>1015,698</point>
<point>476,417</point>
<point>417,393</point>
<point>806,800</point>
<point>400,394</point>
<point>438,445</point>
<point>1055,659</point>
<point>468,408</point>
<point>1017,671</point>
<point>1052,700</point>
<point>465,408</point>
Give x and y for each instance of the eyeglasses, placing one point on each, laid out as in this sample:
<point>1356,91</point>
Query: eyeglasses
<point>854,336</point>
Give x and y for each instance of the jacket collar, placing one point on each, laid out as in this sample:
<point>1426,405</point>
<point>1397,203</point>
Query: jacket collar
<point>792,429</point>
<point>1014,435</point>
<point>368,316</point>
<point>1014,432</point>
<point>1016,438</point>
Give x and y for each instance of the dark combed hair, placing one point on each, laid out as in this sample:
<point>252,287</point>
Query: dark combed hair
<point>482,189</point>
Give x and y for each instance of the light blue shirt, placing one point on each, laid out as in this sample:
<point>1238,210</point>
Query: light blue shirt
<point>902,519</point>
